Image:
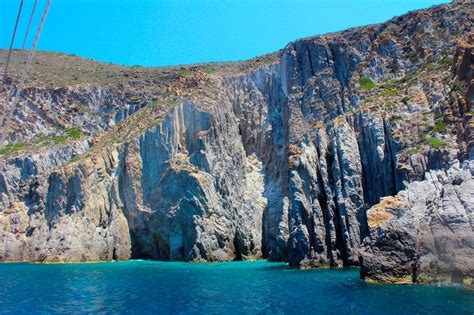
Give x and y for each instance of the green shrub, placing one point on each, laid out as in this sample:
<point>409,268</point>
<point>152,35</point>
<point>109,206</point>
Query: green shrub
<point>73,133</point>
<point>11,147</point>
<point>59,139</point>
<point>390,84</point>
<point>415,150</point>
<point>439,127</point>
<point>446,61</point>
<point>74,159</point>
<point>412,151</point>
<point>172,101</point>
<point>431,66</point>
<point>208,71</point>
<point>186,71</point>
<point>366,83</point>
<point>435,143</point>
<point>389,92</point>
<point>41,139</point>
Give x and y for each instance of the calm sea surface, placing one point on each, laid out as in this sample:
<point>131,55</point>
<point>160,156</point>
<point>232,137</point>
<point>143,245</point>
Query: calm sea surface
<point>218,288</point>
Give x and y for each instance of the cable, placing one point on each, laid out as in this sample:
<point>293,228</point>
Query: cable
<point>13,40</point>
<point>18,91</point>
<point>29,24</point>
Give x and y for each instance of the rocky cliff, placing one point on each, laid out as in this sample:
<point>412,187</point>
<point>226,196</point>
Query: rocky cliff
<point>288,156</point>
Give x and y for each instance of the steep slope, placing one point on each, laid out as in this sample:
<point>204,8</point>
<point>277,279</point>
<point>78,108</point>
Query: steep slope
<point>277,157</point>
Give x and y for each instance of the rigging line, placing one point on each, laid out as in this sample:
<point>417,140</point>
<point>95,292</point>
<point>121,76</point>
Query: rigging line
<point>13,40</point>
<point>6,124</point>
<point>29,24</point>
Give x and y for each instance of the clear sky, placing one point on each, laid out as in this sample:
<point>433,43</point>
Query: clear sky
<point>171,32</point>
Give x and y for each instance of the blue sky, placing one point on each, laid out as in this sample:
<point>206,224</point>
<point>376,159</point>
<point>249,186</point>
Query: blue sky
<point>171,32</point>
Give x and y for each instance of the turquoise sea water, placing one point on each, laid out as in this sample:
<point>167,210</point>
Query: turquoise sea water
<point>217,288</point>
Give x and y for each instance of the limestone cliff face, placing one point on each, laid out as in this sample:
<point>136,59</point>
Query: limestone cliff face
<point>279,157</point>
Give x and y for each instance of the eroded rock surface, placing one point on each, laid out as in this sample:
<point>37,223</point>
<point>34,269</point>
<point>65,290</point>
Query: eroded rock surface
<point>425,232</point>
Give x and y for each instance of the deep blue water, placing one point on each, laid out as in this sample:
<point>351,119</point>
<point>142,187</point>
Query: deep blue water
<point>229,288</point>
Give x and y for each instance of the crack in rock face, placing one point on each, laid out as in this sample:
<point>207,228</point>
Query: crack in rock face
<point>348,149</point>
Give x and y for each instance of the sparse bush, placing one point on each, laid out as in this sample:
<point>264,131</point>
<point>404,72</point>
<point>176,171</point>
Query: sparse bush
<point>412,151</point>
<point>208,71</point>
<point>172,101</point>
<point>186,71</point>
<point>435,143</point>
<point>58,139</point>
<point>431,67</point>
<point>366,83</point>
<point>74,159</point>
<point>73,133</point>
<point>439,127</point>
<point>41,139</point>
<point>389,92</point>
<point>390,84</point>
<point>11,147</point>
<point>446,61</point>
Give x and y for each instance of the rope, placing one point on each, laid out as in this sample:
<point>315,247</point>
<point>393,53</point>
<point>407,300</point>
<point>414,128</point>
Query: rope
<point>13,40</point>
<point>29,24</point>
<point>18,91</point>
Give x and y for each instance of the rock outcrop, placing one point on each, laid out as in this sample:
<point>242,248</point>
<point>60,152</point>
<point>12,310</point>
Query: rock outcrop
<point>278,157</point>
<point>425,232</point>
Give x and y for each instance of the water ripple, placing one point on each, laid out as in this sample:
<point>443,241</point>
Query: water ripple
<point>214,288</point>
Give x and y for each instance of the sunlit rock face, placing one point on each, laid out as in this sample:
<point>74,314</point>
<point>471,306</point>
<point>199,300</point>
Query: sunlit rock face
<point>424,233</point>
<point>279,157</point>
